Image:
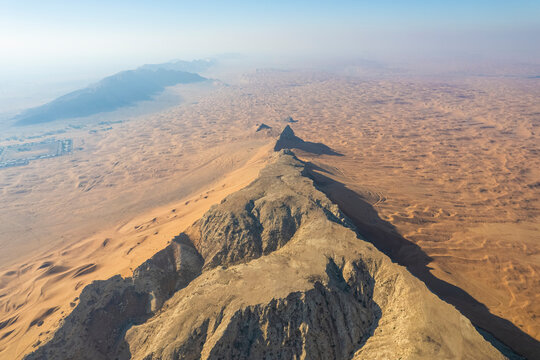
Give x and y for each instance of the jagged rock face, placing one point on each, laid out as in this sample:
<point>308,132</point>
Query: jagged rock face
<point>260,218</point>
<point>168,271</point>
<point>326,322</point>
<point>273,272</point>
<point>107,308</point>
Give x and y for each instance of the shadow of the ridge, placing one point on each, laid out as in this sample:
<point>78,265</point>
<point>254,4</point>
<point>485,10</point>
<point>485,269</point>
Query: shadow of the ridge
<point>307,146</point>
<point>385,237</point>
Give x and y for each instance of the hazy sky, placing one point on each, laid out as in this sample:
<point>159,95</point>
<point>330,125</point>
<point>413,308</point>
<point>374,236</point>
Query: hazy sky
<point>44,36</point>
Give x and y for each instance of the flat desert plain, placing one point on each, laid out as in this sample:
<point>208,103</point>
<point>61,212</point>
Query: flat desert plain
<point>442,174</point>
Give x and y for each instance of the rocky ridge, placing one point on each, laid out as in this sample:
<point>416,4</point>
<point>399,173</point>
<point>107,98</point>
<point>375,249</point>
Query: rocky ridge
<point>275,271</point>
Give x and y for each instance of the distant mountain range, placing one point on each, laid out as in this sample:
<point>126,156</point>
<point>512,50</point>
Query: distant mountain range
<point>195,66</point>
<point>116,91</point>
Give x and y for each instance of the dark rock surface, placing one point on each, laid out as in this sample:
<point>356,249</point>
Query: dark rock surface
<point>288,140</point>
<point>263,126</point>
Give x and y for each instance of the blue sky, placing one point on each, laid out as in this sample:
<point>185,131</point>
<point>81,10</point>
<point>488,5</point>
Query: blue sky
<point>39,34</point>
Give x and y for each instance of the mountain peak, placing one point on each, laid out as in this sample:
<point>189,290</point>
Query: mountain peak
<point>289,140</point>
<point>287,133</point>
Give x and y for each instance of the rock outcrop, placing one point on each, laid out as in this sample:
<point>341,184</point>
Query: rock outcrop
<point>288,140</point>
<point>275,271</point>
<point>289,119</point>
<point>262,127</point>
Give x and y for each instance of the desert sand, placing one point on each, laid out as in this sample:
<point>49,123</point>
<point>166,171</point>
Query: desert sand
<point>442,174</point>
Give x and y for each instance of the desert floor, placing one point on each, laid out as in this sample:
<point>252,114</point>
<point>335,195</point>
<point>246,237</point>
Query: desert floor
<point>443,174</point>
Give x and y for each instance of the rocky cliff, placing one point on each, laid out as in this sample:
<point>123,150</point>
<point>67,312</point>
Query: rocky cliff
<point>275,271</point>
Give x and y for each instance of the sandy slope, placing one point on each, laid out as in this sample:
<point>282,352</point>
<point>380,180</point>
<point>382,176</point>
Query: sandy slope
<point>46,287</point>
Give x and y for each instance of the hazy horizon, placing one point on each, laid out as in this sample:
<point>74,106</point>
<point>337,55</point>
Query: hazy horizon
<point>52,47</point>
<point>46,35</point>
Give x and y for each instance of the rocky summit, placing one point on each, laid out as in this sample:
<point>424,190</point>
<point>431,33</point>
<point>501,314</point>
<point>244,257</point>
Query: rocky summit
<point>275,271</point>
<point>262,127</point>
